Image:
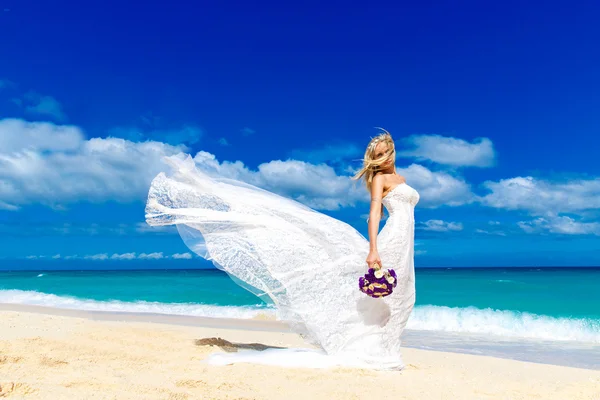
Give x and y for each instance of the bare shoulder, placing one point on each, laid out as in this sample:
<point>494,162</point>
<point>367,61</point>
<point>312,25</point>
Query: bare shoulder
<point>377,186</point>
<point>379,181</point>
<point>379,178</point>
<point>383,179</point>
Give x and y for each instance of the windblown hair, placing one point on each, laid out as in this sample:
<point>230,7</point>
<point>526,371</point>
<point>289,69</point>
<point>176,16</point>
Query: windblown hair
<point>372,165</point>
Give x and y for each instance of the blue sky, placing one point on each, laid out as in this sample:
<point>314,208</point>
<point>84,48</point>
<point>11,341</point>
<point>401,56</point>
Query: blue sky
<point>493,109</point>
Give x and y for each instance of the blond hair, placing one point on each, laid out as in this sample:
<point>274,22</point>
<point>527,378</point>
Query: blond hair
<point>371,165</point>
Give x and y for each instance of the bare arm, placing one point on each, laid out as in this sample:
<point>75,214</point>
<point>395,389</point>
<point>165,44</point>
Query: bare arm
<point>375,211</point>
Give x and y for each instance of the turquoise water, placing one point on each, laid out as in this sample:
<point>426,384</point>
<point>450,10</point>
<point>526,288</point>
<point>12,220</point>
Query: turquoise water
<point>179,286</point>
<point>556,292</point>
<point>540,303</point>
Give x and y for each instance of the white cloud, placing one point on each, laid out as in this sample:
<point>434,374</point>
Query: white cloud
<point>485,232</point>
<point>543,198</point>
<point>223,142</point>
<point>438,225</point>
<point>182,256</point>
<point>317,186</point>
<point>35,104</point>
<point>449,150</point>
<point>117,256</point>
<point>560,225</point>
<point>437,188</point>
<point>143,227</point>
<point>103,256</point>
<point>124,256</point>
<point>320,187</point>
<point>44,106</point>
<point>89,230</point>
<point>44,163</point>
<point>151,256</point>
<point>6,206</point>
<point>55,165</point>
<point>17,135</point>
<point>68,229</point>
<point>188,134</point>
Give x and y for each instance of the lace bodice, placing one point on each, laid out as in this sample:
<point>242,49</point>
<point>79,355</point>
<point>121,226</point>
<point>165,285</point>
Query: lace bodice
<point>400,195</point>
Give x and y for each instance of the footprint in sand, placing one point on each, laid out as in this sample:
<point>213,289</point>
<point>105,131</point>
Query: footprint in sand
<point>190,383</point>
<point>8,389</point>
<point>10,359</point>
<point>51,362</point>
<point>178,396</point>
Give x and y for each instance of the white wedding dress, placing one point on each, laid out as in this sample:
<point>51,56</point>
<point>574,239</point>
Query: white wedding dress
<point>305,262</point>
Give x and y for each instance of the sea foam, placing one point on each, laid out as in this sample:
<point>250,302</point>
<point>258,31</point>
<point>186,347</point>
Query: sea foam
<point>500,323</point>
<point>503,323</point>
<point>70,302</point>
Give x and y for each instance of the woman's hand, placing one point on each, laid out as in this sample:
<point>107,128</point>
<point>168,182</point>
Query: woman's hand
<point>373,258</point>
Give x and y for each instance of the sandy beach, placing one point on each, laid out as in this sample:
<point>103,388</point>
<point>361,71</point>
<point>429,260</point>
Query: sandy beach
<point>56,354</point>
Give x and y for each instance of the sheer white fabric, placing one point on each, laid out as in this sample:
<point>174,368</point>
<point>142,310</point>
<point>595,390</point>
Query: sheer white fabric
<point>305,262</point>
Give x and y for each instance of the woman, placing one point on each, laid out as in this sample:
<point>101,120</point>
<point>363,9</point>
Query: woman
<point>305,262</point>
<point>379,172</point>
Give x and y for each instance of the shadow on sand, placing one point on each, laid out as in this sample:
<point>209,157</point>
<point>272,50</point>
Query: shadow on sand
<point>230,347</point>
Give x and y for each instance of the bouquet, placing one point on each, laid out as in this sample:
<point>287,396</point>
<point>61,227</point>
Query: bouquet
<point>378,282</point>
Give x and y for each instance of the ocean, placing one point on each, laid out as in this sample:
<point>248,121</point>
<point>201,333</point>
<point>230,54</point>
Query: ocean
<point>536,314</point>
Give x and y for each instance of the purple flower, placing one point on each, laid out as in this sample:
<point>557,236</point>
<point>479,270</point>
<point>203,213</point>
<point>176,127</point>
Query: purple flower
<point>378,282</point>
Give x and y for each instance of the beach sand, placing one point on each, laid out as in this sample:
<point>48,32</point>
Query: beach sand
<point>67,354</point>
